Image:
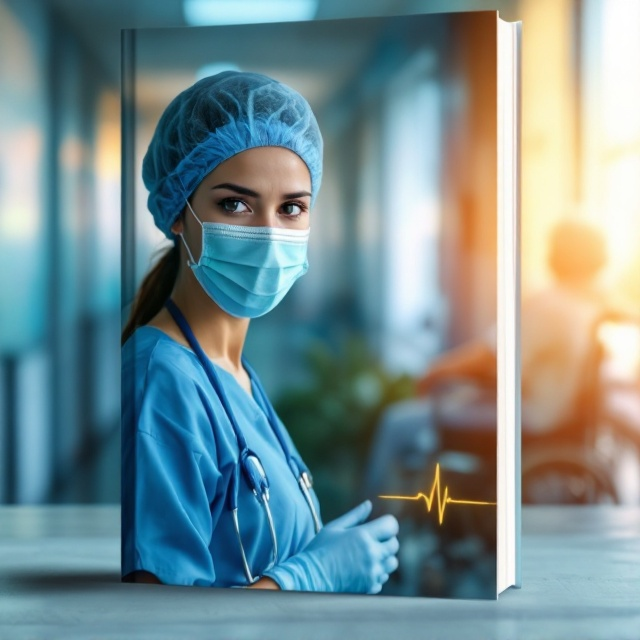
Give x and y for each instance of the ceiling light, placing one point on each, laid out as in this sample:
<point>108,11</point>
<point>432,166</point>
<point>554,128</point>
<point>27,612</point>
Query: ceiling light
<point>212,12</point>
<point>213,69</point>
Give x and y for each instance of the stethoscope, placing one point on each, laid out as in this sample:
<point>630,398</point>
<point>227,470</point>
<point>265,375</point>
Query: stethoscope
<point>248,462</point>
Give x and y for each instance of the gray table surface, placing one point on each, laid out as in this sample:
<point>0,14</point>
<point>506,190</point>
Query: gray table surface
<point>59,578</point>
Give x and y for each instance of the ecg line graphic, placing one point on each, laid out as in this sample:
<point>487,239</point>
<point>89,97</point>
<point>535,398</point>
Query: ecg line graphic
<point>443,498</point>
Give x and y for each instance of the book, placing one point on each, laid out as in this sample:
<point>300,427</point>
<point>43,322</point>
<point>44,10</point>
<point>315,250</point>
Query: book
<point>414,256</point>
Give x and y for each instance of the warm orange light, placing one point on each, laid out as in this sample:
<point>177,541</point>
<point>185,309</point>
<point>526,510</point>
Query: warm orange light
<point>443,498</point>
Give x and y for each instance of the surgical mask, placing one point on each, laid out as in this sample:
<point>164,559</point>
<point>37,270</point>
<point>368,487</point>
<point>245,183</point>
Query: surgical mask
<point>247,270</point>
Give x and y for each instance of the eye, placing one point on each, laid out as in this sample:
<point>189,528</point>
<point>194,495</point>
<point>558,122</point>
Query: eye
<point>232,205</point>
<point>293,209</point>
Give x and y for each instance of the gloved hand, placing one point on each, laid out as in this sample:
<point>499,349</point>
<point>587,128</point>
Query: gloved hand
<point>345,556</point>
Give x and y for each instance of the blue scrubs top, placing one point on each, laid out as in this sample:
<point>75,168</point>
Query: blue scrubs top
<point>178,453</point>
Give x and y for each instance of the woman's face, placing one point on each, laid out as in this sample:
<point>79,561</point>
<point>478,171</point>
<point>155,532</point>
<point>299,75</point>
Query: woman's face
<point>262,187</point>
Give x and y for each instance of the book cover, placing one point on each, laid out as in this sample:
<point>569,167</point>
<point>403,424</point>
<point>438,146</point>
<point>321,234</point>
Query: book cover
<point>383,362</point>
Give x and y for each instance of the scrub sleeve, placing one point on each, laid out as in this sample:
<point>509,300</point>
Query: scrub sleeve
<point>167,479</point>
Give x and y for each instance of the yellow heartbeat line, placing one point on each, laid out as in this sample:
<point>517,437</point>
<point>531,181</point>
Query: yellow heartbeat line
<point>443,499</point>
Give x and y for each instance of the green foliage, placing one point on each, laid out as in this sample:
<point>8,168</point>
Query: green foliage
<point>332,420</point>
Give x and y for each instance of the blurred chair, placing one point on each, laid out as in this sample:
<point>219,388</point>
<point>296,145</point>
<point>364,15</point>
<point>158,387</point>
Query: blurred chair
<point>403,445</point>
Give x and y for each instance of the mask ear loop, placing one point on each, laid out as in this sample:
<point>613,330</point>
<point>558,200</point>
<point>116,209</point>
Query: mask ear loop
<point>191,261</point>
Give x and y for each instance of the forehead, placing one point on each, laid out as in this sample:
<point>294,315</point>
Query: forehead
<point>272,164</point>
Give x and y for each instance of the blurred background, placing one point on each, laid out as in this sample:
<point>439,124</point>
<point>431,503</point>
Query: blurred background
<point>358,340</point>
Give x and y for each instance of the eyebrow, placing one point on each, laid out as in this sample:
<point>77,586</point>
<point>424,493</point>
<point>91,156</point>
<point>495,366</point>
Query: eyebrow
<point>254,194</point>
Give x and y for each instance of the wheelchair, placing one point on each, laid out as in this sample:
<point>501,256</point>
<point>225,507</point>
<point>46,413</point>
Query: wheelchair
<point>563,465</point>
<point>568,465</point>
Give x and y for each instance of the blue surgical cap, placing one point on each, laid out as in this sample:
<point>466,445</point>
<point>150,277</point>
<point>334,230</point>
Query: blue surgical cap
<point>215,119</point>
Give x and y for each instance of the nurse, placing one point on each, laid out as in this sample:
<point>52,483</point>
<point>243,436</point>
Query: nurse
<point>214,492</point>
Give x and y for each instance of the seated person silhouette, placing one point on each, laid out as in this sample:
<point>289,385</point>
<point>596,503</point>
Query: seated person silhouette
<point>458,391</point>
<point>556,334</point>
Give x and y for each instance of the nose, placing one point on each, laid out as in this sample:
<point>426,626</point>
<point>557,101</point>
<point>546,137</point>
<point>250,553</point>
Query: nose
<point>266,216</point>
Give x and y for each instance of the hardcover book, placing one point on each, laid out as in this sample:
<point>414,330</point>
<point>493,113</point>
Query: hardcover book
<point>389,373</point>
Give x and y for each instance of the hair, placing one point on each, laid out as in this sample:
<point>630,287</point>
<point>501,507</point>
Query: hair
<point>154,291</point>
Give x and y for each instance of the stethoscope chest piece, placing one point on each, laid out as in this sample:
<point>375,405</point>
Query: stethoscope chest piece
<point>255,475</point>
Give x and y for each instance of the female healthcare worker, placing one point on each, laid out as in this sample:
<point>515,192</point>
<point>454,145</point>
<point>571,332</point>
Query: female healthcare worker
<point>214,492</point>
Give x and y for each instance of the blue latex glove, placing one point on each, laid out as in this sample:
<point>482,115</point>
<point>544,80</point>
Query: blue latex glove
<point>347,555</point>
